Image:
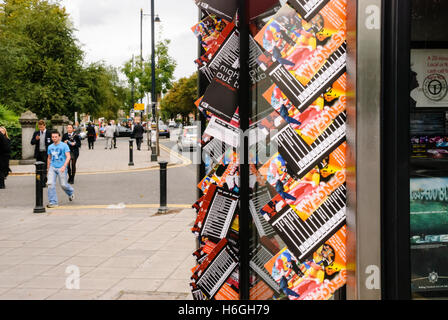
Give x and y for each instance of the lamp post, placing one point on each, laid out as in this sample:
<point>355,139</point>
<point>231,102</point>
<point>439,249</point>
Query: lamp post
<point>154,18</point>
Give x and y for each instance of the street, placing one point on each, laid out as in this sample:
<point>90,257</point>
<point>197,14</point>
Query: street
<point>112,188</point>
<point>109,243</point>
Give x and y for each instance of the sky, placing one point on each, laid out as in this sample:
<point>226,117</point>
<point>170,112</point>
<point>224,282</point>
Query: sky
<point>109,30</point>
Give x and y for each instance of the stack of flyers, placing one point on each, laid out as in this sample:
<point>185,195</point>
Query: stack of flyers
<point>215,275</point>
<point>223,9</point>
<point>310,123</point>
<point>297,150</point>
<point>209,31</point>
<point>228,8</point>
<point>316,278</point>
<point>303,57</point>
<point>223,175</point>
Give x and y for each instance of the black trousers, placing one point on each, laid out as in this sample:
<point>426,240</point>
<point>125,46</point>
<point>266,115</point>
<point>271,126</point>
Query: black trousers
<point>71,170</point>
<point>115,141</point>
<point>139,142</point>
<point>2,179</point>
<point>91,143</point>
<point>43,156</point>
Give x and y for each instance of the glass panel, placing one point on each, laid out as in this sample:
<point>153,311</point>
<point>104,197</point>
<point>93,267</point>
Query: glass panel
<point>429,150</point>
<point>297,152</point>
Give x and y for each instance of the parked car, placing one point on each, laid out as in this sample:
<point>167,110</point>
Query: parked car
<point>172,124</point>
<point>164,131</point>
<point>124,132</point>
<point>188,139</point>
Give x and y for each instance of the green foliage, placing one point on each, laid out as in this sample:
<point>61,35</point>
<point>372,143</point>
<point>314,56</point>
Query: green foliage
<point>42,65</point>
<point>100,92</point>
<point>139,74</point>
<point>41,57</point>
<point>7,115</point>
<point>15,135</point>
<point>10,121</point>
<point>181,98</point>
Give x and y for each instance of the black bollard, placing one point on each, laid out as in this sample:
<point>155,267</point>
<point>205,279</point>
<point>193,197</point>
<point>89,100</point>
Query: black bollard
<point>131,152</point>
<point>163,209</point>
<point>40,174</point>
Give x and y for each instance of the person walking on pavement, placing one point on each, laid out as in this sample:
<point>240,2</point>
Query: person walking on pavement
<point>58,160</point>
<point>41,140</point>
<point>109,134</point>
<point>115,133</point>
<point>138,134</point>
<point>5,153</point>
<point>73,141</point>
<point>91,135</point>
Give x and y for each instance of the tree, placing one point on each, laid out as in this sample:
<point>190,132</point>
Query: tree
<point>40,57</point>
<point>139,75</point>
<point>42,66</point>
<point>181,98</point>
<point>100,91</point>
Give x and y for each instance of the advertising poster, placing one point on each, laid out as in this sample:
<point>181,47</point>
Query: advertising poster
<point>310,123</point>
<point>209,31</point>
<point>303,236</point>
<point>430,77</point>
<point>297,148</point>
<point>307,194</point>
<point>429,147</point>
<point>302,57</point>
<point>316,278</point>
<point>429,209</point>
<point>429,233</point>
<point>299,155</point>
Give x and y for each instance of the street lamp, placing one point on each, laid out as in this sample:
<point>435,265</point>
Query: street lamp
<point>154,18</point>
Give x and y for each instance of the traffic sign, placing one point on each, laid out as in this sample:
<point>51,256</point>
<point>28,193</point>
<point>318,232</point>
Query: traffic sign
<point>139,107</point>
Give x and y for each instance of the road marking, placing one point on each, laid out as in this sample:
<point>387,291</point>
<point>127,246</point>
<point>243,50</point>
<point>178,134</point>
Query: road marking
<point>122,206</point>
<point>185,163</point>
<point>176,154</point>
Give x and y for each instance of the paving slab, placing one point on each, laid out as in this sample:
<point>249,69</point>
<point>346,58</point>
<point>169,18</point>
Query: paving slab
<point>28,294</point>
<point>130,262</point>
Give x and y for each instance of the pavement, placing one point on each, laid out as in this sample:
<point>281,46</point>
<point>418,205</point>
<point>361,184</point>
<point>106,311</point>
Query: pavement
<point>116,160</point>
<point>119,246</point>
<point>120,254</point>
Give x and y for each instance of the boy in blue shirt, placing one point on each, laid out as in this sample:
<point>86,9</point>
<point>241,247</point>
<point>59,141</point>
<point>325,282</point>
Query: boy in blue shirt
<point>58,159</point>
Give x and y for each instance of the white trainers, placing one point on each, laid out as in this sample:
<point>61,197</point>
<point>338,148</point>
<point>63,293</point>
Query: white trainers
<point>52,206</point>
<point>72,197</point>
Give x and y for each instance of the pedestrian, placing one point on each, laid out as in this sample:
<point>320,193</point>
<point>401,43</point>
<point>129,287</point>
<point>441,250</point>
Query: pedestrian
<point>115,133</point>
<point>58,160</point>
<point>91,136</point>
<point>73,140</point>
<point>5,154</point>
<point>109,134</point>
<point>137,133</point>
<point>41,140</point>
<point>77,128</point>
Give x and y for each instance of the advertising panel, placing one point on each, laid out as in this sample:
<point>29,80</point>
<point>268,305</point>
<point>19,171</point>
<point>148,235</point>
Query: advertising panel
<point>429,233</point>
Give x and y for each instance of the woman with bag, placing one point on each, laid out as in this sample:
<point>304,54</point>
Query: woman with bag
<point>5,153</point>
